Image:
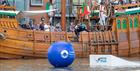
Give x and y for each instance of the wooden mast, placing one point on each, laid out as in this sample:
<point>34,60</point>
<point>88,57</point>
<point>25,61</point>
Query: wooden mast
<point>63,15</point>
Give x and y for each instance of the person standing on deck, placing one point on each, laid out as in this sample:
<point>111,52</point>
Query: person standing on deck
<point>121,2</point>
<point>5,3</point>
<point>72,27</point>
<point>50,6</point>
<point>115,2</point>
<point>133,1</point>
<point>80,27</point>
<point>102,14</point>
<point>58,28</point>
<point>35,25</point>
<point>43,26</point>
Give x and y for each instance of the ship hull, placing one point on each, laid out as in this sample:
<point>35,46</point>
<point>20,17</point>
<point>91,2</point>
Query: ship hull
<point>35,44</point>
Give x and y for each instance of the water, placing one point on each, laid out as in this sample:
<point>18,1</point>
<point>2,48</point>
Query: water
<point>43,65</point>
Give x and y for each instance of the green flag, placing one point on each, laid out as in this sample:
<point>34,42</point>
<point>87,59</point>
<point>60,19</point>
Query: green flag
<point>48,6</point>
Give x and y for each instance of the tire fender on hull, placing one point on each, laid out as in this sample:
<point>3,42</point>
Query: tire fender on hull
<point>2,36</point>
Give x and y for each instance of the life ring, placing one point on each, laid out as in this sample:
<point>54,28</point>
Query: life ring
<point>2,36</point>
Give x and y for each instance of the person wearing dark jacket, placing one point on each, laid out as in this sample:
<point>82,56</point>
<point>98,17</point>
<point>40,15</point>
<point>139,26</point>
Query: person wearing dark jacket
<point>5,3</point>
<point>80,28</point>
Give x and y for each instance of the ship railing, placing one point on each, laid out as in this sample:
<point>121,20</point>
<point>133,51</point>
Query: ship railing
<point>9,23</point>
<point>98,27</point>
<point>7,7</point>
<point>126,6</point>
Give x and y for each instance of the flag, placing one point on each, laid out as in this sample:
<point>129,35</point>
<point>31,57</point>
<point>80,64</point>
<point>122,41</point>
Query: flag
<point>48,6</point>
<point>85,10</point>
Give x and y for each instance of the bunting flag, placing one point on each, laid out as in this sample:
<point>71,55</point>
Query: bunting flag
<point>85,10</point>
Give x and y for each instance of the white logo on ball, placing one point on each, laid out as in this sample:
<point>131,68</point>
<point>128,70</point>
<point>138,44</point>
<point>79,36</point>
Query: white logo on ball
<point>64,54</point>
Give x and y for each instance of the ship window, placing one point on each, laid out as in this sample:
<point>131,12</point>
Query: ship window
<point>118,24</point>
<point>135,22</point>
<point>37,2</point>
<point>124,25</point>
<point>131,23</point>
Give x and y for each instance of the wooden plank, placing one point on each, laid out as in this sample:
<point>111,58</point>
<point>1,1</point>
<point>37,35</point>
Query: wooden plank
<point>135,44</point>
<point>81,50</point>
<point>135,47</point>
<point>92,49</point>
<point>63,14</point>
<point>42,47</point>
<point>19,52</point>
<point>134,51</point>
<point>91,37</point>
<point>11,33</point>
<point>15,51</point>
<point>123,45</point>
<point>122,37</point>
<point>17,44</point>
<point>9,56</point>
<point>124,52</point>
<point>71,37</point>
<point>129,36</point>
<point>42,36</point>
<point>134,36</point>
<point>85,36</point>
<point>58,36</point>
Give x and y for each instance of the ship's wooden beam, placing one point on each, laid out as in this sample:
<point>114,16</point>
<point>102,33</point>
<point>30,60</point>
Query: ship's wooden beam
<point>63,15</point>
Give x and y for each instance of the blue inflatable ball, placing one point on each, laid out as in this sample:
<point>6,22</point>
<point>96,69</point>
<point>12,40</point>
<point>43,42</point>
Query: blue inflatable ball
<point>61,54</point>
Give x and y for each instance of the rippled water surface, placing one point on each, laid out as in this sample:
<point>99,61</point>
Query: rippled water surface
<point>43,65</point>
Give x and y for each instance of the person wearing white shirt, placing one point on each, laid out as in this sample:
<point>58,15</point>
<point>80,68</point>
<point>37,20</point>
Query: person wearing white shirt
<point>102,14</point>
<point>43,26</point>
<point>46,27</point>
<point>133,1</point>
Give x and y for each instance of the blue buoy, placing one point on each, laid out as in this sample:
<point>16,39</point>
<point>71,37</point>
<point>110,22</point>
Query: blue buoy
<point>61,54</point>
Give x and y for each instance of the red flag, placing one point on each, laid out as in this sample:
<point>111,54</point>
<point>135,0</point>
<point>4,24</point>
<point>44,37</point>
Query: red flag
<point>85,10</point>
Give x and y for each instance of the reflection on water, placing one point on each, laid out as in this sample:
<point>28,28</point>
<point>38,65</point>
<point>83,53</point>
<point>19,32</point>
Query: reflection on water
<point>43,65</point>
<point>62,69</point>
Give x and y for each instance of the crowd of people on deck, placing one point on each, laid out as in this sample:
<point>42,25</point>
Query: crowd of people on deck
<point>42,26</point>
<point>81,25</point>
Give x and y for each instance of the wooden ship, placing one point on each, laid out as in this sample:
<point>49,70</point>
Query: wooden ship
<point>122,40</point>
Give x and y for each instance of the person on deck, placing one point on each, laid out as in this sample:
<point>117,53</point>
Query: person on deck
<point>43,26</point>
<point>80,27</point>
<point>35,25</point>
<point>72,27</point>
<point>121,2</point>
<point>115,2</point>
<point>50,6</point>
<point>5,3</point>
<point>133,1</point>
<point>102,15</point>
<point>58,28</point>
